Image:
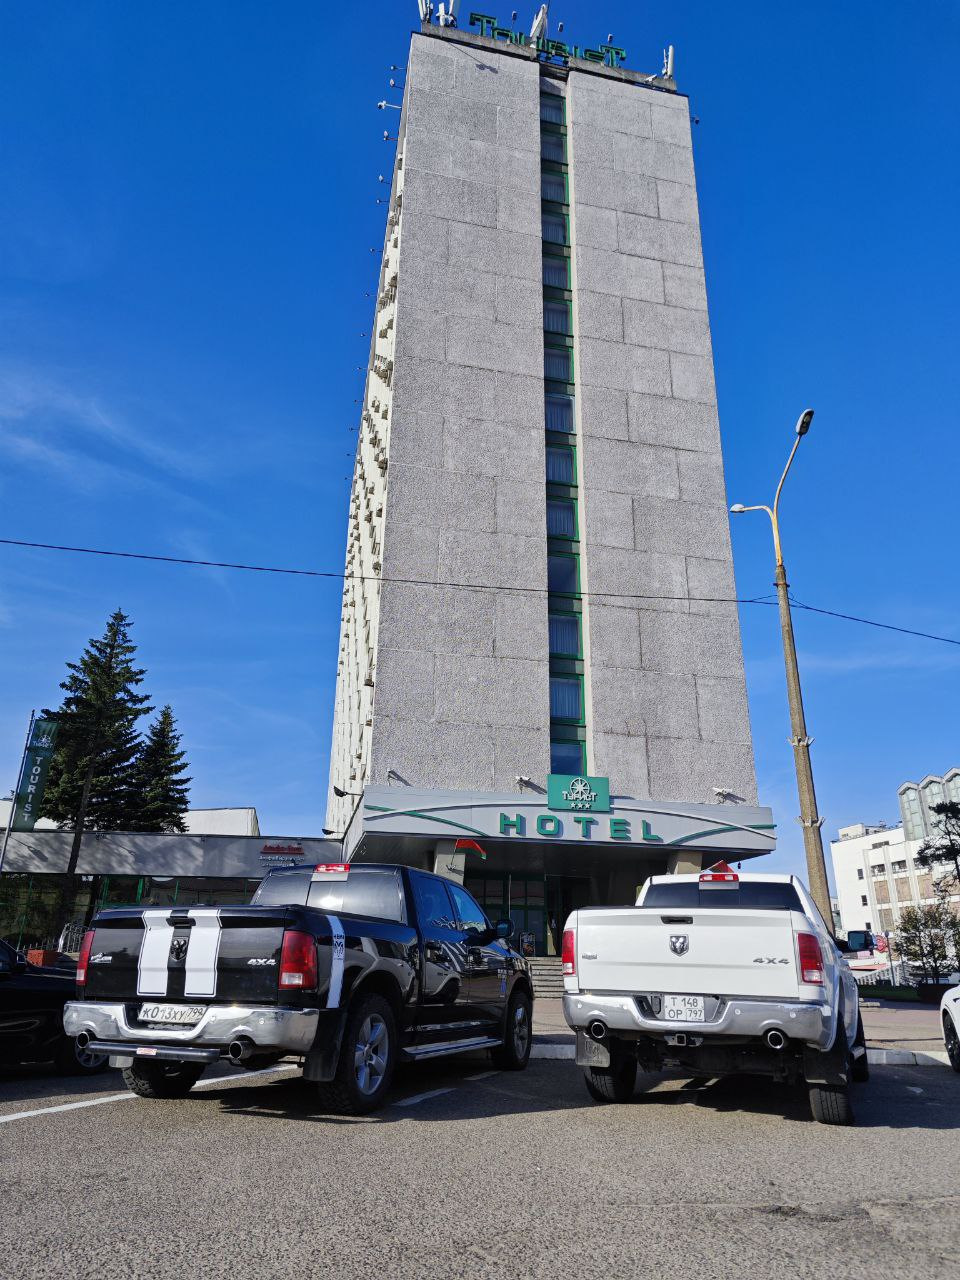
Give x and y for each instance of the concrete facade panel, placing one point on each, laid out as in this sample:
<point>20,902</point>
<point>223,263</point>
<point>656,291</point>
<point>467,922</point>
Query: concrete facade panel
<point>648,324</point>
<point>684,286</point>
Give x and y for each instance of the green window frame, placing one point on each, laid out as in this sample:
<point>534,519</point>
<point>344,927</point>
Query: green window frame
<point>566,699</point>
<point>553,185</point>
<point>567,624</point>
<point>554,227</point>
<point>556,271</point>
<point>553,146</point>
<point>559,412</point>
<point>553,108</point>
<point>558,317</point>
<point>553,369</point>
<point>567,755</point>
<point>562,517</point>
<point>564,463</point>
<point>566,571</point>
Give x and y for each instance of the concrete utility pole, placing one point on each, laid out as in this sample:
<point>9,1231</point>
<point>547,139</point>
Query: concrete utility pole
<point>809,818</point>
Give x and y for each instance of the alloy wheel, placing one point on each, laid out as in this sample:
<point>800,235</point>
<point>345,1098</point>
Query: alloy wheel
<point>521,1029</point>
<point>370,1054</point>
<point>952,1041</point>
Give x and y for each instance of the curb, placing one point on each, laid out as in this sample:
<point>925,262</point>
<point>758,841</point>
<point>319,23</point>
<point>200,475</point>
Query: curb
<point>876,1057</point>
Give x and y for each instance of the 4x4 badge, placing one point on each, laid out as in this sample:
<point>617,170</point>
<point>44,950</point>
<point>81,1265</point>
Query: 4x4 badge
<point>679,944</point>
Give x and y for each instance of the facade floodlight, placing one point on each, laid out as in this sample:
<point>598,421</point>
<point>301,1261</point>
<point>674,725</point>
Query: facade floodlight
<point>539,27</point>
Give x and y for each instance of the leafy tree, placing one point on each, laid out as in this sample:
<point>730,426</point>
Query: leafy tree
<point>924,939</point>
<point>91,786</point>
<point>161,790</point>
<point>944,849</point>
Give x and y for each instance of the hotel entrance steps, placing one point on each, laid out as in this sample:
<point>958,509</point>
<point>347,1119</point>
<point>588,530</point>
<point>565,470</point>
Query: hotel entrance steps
<point>546,975</point>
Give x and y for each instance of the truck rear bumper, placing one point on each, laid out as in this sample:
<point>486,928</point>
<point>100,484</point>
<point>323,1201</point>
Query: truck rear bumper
<point>270,1030</point>
<point>808,1022</point>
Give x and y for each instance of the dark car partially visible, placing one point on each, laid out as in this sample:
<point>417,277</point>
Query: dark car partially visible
<point>31,1017</point>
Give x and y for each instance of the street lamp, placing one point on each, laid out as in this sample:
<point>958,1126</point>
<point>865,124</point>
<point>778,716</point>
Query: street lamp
<point>809,818</point>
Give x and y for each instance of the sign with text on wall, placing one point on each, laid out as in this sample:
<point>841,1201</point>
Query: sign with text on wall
<point>575,810</point>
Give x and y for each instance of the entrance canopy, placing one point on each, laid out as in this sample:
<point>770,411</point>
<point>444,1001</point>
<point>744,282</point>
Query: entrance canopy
<point>569,829</point>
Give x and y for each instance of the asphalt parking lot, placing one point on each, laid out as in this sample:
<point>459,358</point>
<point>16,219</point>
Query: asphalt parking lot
<point>472,1172</point>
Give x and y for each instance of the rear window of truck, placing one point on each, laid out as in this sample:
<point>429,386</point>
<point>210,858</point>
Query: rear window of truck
<point>365,892</point>
<point>747,893</point>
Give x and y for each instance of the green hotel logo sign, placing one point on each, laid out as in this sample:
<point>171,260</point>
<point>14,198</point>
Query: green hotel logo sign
<point>581,793</point>
<point>608,54</point>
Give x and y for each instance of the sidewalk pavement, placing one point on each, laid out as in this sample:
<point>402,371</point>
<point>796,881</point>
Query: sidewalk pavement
<point>897,1034</point>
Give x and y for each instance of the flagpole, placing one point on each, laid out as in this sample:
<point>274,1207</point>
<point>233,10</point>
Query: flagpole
<point>16,790</point>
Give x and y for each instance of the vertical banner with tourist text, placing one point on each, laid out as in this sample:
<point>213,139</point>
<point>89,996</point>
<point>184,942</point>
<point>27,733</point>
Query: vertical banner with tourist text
<point>33,776</point>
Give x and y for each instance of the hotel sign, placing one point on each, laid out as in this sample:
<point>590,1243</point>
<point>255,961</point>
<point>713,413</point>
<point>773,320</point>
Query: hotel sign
<point>574,810</point>
<point>608,54</point>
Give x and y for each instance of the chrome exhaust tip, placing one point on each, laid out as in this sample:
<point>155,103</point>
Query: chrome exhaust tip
<point>775,1039</point>
<point>240,1049</point>
<point>82,1040</point>
<point>597,1030</point>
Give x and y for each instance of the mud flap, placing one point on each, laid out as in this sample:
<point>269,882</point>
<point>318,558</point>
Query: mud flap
<point>591,1053</point>
<point>320,1064</point>
<point>829,1067</point>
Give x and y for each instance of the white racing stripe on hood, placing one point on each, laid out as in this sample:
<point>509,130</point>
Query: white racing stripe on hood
<point>203,950</point>
<point>336,963</point>
<point>154,950</point>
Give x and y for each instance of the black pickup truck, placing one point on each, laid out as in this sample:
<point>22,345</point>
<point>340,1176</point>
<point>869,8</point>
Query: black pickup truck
<point>351,967</point>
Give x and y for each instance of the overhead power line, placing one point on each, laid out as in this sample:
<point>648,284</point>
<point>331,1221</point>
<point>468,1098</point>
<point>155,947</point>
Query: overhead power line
<point>464,586</point>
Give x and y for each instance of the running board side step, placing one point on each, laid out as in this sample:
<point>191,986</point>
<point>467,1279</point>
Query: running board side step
<point>440,1048</point>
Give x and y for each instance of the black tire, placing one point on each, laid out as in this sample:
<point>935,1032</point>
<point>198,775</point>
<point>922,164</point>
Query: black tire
<point>162,1079</point>
<point>951,1038</point>
<point>514,1053</point>
<point>859,1066</point>
<point>71,1060</point>
<point>830,1103</point>
<point>615,1083</point>
<point>360,1087</point>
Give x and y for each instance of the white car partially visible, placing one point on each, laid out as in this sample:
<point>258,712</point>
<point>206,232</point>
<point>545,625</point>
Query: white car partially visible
<point>950,1024</point>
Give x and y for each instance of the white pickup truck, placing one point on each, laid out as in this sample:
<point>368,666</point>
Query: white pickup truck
<point>714,974</point>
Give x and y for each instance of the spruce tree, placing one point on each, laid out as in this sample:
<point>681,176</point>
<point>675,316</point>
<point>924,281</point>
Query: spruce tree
<point>161,790</point>
<point>90,786</point>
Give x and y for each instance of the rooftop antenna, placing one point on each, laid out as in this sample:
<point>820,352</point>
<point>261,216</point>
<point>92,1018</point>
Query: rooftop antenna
<point>539,27</point>
<point>447,13</point>
<point>426,10</point>
<point>668,62</point>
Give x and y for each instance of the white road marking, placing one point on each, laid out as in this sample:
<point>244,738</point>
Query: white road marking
<point>421,1097</point>
<point>125,1097</point>
<point>483,1075</point>
<point>68,1106</point>
<point>913,1088</point>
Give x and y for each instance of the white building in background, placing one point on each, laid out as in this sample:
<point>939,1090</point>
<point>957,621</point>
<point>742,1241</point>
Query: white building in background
<point>873,866</point>
<point>240,821</point>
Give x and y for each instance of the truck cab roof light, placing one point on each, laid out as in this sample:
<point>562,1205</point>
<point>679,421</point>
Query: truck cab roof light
<point>720,874</point>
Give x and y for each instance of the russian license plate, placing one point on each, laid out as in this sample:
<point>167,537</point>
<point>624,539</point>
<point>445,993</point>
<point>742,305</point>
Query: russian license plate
<point>683,1009</point>
<point>178,1015</point>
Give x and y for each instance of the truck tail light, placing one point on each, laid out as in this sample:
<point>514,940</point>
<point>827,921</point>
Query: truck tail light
<point>569,953</point>
<point>811,958</point>
<point>298,961</point>
<point>84,959</point>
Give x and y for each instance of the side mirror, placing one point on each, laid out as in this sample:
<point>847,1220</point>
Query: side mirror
<point>842,946</point>
<point>505,930</point>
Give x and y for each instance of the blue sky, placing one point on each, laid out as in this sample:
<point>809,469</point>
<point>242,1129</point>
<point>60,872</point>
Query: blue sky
<point>185,270</point>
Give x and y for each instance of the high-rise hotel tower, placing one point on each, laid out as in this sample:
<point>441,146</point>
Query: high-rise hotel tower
<point>539,575</point>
